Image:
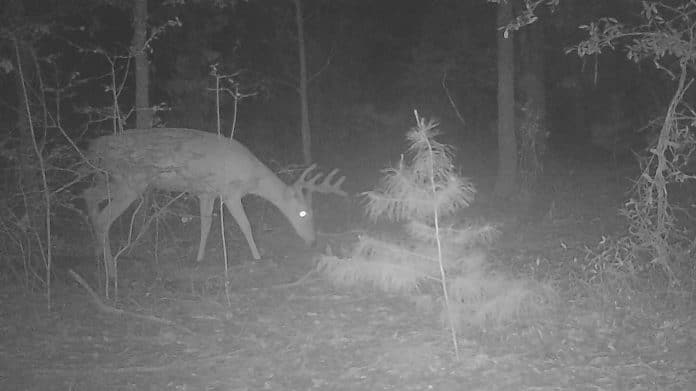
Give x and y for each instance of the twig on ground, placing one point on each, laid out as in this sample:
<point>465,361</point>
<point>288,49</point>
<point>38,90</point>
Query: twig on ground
<point>299,282</point>
<point>116,311</point>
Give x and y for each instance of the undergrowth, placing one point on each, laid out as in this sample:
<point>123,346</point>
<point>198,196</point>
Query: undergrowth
<point>659,245</point>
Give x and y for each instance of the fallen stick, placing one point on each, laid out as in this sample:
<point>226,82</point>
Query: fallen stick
<point>116,311</point>
<point>296,283</point>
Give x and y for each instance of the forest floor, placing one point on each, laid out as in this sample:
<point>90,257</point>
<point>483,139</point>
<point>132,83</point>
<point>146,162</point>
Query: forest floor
<point>313,336</point>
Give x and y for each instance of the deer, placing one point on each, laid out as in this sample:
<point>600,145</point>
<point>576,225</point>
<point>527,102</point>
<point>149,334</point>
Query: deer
<point>203,164</point>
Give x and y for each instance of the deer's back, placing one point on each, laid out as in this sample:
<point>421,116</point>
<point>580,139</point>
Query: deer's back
<point>177,159</point>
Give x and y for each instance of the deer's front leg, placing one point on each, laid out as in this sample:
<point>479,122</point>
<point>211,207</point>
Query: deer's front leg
<point>206,204</point>
<point>122,195</point>
<point>237,211</point>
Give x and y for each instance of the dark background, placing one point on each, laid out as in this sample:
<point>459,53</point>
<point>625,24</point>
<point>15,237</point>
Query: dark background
<point>371,62</point>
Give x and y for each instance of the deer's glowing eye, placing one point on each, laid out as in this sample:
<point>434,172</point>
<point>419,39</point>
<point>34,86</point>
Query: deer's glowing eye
<point>303,213</point>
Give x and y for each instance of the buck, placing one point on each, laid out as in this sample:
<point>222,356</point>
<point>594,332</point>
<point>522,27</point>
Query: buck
<point>203,164</point>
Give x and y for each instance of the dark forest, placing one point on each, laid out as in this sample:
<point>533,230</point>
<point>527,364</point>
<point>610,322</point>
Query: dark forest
<point>347,194</point>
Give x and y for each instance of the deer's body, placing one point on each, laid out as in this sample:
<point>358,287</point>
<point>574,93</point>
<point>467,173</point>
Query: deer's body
<point>203,164</point>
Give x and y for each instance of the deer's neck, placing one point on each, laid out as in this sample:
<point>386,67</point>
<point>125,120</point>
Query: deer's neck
<point>271,188</point>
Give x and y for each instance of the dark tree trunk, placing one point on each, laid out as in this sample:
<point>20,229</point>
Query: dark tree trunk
<point>532,93</point>
<point>507,147</point>
<point>302,88</point>
<point>143,111</point>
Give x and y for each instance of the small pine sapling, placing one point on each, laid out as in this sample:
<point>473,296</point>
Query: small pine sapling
<point>422,191</point>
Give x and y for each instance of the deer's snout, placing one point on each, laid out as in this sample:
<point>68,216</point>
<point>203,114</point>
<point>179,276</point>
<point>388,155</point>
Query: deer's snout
<point>310,238</point>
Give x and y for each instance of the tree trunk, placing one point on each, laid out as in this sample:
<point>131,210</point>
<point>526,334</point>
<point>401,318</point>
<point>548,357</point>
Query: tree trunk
<point>302,88</point>
<point>532,93</point>
<point>507,146</point>
<point>143,111</point>
<point>537,89</point>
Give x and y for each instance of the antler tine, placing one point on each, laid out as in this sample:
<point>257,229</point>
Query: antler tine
<point>325,186</point>
<point>336,186</point>
<point>302,179</point>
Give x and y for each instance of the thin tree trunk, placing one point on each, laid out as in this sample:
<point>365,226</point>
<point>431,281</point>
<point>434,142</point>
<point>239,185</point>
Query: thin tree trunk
<point>537,89</point>
<point>533,95</point>
<point>143,113</point>
<point>302,88</point>
<point>507,145</point>
<point>28,179</point>
<point>32,206</point>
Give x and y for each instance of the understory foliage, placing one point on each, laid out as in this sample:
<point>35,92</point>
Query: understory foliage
<point>38,149</point>
<point>437,265</point>
<point>661,227</point>
<point>23,234</point>
<point>34,178</point>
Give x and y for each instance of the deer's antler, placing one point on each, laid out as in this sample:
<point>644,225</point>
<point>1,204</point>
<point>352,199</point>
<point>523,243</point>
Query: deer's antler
<point>325,186</point>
